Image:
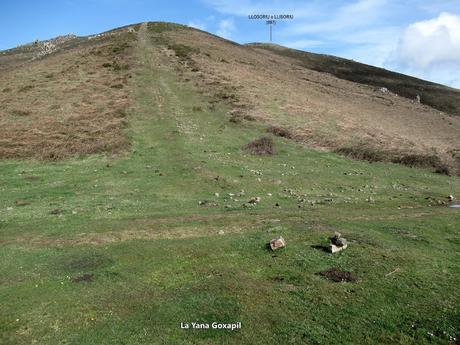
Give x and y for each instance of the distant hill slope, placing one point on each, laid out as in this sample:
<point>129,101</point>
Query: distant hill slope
<point>70,96</point>
<point>435,95</point>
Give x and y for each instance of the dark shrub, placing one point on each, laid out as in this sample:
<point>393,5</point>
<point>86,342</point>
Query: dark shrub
<point>262,146</point>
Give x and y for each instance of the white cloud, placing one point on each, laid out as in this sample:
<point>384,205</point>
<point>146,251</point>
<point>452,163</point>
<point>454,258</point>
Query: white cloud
<point>427,42</point>
<point>430,49</point>
<point>226,28</point>
<point>197,24</point>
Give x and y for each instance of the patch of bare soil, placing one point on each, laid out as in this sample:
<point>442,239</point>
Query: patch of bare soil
<point>338,276</point>
<point>69,103</point>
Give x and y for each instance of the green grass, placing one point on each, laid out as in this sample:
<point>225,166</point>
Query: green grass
<point>157,257</point>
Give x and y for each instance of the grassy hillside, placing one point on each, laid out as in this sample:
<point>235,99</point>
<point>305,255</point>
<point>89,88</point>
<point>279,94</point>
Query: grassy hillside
<point>435,95</point>
<point>319,109</point>
<point>120,247</point>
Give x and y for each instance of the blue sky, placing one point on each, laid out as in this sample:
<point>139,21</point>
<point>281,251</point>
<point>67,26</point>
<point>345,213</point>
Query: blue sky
<point>417,37</point>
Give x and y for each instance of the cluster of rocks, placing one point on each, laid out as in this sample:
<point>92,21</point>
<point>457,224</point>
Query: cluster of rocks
<point>50,46</point>
<point>256,172</point>
<point>95,36</point>
<point>233,197</point>
<point>303,200</point>
<point>207,203</point>
<point>386,91</point>
<point>440,202</point>
<point>45,49</point>
<point>355,173</point>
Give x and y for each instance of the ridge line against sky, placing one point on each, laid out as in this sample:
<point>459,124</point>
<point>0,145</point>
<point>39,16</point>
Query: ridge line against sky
<point>419,38</point>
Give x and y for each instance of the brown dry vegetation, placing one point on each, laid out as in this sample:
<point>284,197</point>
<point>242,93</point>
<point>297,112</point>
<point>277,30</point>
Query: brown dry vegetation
<point>261,146</point>
<point>69,103</point>
<point>74,101</point>
<point>321,110</point>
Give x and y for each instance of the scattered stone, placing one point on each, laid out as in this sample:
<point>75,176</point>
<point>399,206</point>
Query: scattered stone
<point>207,203</point>
<point>384,90</point>
<point>338,276</point>
<point>277,243</point>
<point>451,198</point>
<point>254,200</point>
<point>338,243</point>
<point>216,194</point>
<point>221,232</point>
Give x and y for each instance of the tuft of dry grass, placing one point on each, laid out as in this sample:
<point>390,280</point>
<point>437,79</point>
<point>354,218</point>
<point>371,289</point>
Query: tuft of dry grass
<point>262,146</point>
<point>238,117</point>
<point>280,132</point>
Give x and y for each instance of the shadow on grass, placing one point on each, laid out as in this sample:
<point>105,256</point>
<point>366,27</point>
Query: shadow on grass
<point>321,247</point>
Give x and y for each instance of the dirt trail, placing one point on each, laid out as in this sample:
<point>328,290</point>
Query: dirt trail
<point>208,225</point>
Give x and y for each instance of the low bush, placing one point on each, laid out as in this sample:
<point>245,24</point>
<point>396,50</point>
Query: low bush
<point>261,146</point>
<point>414,160</point>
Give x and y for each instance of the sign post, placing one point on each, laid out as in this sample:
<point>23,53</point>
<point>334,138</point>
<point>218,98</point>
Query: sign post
<point>270,20</point>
